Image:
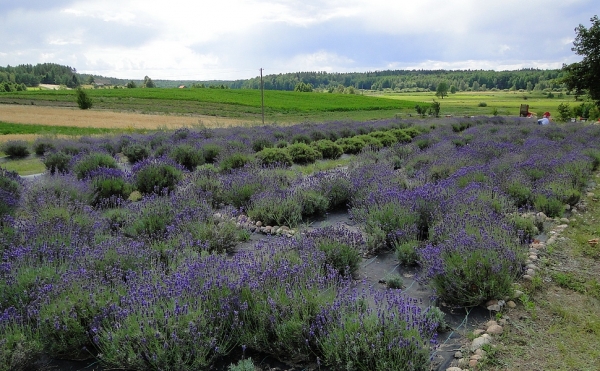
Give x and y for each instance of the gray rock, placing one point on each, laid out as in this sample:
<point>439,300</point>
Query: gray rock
<point>511,304</point>
<point>454,369</point>
<point>564,220</point>
<point>495,308</point>
<point>458,354</point>
<point>259,223</point>
<point>480,341</point>
<point>495,330</point>
<point>530,272</point>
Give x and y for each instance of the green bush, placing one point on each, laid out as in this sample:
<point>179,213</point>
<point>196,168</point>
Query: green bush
<point>107,187</point>
<point>43,145</point>
<point>328,149</point>
<point>218,236</point>
<point>385,137</point>
<point>156,177</point>
<point>351,145</point>
<point>313,202</point>
<point>370,141</point>
<point>234,161</point>
<point>407,252</point>
<point>276,209</point>
<point>187,156</point>
<point>281,144</point>
<point>83,100</point>
<point>302,153</point>
<point>93,161</point>
<point>552,207</point>
<point>274,156</point>
<point>136,152</point>
<point>260,144</point>
<point>10,191</point>
<point>16,148</point>
<point>301,138</point>
<point>210,152</point>
<point>482,104</point>
<point>57,162</point>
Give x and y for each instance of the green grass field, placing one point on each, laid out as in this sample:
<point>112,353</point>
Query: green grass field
<point>507,103</point>
<point>215,102</point>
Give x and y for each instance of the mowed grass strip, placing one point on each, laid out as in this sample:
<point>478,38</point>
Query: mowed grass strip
<point>7,128</point>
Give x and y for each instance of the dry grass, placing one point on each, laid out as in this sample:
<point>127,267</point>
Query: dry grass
<point>21,114</point>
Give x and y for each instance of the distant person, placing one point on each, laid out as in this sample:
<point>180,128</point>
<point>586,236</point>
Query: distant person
<point>545,120</point>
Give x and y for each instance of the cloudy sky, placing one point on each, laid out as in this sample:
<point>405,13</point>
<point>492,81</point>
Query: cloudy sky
<point>232,39</point>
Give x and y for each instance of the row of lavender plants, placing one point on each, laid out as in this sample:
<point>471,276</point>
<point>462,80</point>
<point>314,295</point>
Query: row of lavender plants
<point>132,267</point>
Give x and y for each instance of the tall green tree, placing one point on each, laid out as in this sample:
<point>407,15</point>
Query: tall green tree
<point>442,90</point>
<point>148,83</point>
<point>583,76</point>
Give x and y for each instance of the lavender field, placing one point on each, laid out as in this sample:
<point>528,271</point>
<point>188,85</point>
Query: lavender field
<point>127,251</point>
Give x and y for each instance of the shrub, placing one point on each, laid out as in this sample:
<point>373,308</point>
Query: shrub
<point>301,138</point>
<point>93,161</point>
<point>341,246</point>
<point>370,141</point>
<point>274,156</point>
<point>187,156</point>
<point>351,145</point>
<point>386,138</point>
<point>210,152</point>
<point>313,202</point>
<point>16,148</point>
<point>302,153</point>
<point>109,184</point>
<point>401,135</point>
<point>83,99</point>
<point>482,104</point>
<point>281,144</point>
<point>156,176</point>
<point>234,161</point>
<point>260,144</point>
<point>10,191</point>
<point>552,207</point>
<point>217,236</point>
<point>57,162</point>
<point>136,152</point>
<point>43,145</point>
<point>407,252</point>
<point>328,149</point>
<point>275,208</point>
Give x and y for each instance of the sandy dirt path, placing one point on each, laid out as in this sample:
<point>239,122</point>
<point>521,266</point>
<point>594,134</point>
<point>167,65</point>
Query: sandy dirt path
<point>62,116</point>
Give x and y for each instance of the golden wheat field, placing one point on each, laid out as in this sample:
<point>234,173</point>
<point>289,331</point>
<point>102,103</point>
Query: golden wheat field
<point>63,116</point>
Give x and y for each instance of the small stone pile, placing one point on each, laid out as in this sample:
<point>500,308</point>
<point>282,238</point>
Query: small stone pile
<point>243,221</point>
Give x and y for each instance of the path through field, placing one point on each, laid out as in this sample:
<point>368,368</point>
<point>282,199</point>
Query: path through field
<point>62,116</point>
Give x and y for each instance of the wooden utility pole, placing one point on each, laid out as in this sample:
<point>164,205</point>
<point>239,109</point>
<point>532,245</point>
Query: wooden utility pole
<point>262,97</point>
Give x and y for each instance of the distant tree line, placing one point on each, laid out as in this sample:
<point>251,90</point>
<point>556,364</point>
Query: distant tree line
<point>415,80</point>
<point>41,73</point>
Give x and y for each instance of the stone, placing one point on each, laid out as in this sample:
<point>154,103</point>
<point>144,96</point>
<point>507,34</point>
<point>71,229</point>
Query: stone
<point>495,330</point>
<point>511,304</point>
<point>532,266</point>
<point>495,308</point>
<point>473,363</point>
<point>527,277</point>
<point>533,257</point>
<point>454,369</point>
<point>476,357</point>
<point>530,272</point>
<point>463,362</point>
<point>480,341</point>
<point>259,223</point>
<point>490,323</point>
<point>491,302</point>
<point>551,240</point>
<point>480,352</point>
<point>541,215</point>
<point>517,294</point>
<point>564,220</point>
<point>590,194</point>
<point>567,207</point>
<point>458,354</point>
<point>562,226</point>
<point>478,332</point>
<point>502,322</point>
